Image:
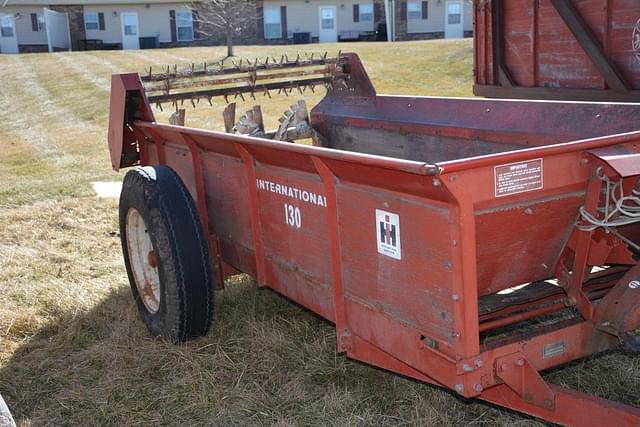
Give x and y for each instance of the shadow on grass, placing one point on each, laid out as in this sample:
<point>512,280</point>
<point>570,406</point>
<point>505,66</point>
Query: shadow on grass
<point>266,361</point>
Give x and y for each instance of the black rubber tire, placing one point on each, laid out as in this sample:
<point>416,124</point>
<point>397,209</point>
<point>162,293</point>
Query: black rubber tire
<point>181,251</point>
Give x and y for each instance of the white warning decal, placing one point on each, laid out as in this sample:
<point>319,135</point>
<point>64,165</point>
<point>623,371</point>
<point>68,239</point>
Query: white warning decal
<point>388,234</point>
<point>519,177</point>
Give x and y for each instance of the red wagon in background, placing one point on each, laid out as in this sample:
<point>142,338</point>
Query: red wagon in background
<point>465,243</point>
<point>558,49</point>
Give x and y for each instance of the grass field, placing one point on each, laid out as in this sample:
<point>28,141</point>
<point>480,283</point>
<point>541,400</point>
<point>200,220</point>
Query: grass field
<point>72,350</point>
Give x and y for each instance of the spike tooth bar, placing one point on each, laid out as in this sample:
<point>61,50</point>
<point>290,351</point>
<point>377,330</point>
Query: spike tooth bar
<point>238,68</point>
<point>300,76</point>
<point>251,78</point>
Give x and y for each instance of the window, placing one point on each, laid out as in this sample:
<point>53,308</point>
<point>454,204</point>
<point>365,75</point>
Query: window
<point>184,25</point>
<point>41,22</point>
<point>454,14</point>
<point>327,21</point>
<point>37,22</point>
<point>6,26</point>
<point>91,21</point>
<point>366,13</point>
<point>413,10</point>
<point>130,24</point>
<point>272,28</point>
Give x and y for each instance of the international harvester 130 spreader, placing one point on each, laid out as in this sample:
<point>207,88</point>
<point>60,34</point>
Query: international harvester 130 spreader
<point>465,243</point>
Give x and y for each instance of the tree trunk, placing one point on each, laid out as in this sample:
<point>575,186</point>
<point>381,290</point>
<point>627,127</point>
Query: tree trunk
<point>229,45</point>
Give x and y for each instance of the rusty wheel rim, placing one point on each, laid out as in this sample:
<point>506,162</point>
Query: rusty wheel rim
<point>142,258</point>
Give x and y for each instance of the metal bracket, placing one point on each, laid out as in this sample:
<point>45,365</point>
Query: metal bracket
<point>619,311</point>
<point>345,341</point>
<point>572,282</point>
<point>525,381</point>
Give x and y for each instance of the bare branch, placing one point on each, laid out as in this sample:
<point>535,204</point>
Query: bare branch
<point>226,19</point>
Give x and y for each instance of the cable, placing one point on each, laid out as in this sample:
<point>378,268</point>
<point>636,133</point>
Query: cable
<point>619,210</point>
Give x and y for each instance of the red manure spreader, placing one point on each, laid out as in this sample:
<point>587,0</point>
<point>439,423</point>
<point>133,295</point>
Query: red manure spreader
<point>466,243</point>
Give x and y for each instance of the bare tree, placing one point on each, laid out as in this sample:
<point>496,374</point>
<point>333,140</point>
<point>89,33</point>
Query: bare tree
<point>227,18</point>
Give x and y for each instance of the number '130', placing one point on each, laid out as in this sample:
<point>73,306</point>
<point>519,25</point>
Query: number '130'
<point>292,216</point>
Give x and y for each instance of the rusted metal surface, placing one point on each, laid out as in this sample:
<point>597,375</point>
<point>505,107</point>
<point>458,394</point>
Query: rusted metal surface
<point>259,77</point>
<point>558,49</point>
<point>294,124</point>
<point>619,313</point>
<point>409,213</point>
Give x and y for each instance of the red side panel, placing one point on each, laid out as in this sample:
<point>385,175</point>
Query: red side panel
<point>128,102</point>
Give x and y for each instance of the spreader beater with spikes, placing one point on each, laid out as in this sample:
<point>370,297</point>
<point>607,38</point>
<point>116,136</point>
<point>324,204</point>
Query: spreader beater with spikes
<point>471,244</point>
<point>256,80</point>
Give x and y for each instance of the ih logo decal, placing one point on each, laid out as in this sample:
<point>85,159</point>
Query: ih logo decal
<point>635,40</point>
<point>388,234</point>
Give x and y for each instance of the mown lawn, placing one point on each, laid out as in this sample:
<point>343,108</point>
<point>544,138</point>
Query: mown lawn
<point>72,350</point>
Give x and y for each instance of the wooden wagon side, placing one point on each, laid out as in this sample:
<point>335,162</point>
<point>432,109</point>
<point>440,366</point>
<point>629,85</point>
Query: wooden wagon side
<point>558,49</point>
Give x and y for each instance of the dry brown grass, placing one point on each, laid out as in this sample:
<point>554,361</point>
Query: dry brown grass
<point>72,350</point>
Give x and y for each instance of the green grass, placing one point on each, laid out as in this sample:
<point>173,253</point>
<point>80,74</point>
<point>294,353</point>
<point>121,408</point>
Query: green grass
<point>72,349</point>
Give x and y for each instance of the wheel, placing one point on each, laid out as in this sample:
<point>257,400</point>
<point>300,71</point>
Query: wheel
<point>166,254</point>
<point>6,420</point>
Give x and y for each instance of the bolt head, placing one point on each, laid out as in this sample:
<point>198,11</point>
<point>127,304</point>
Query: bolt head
<point>459,388</point>
<point>519,362</point>
<point>478,387</point>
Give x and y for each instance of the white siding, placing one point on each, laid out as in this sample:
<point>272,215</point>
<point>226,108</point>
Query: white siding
<point>468,15</point>
<point>435,23</point>
<point>303,16</point>
<point>152,21</point>
<point>24,31</point>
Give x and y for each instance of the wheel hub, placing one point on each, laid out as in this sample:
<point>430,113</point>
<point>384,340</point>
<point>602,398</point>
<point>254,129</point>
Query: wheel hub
<point>142,258</point>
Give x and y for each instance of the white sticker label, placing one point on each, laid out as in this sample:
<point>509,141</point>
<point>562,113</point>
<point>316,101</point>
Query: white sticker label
<point>553,349</point>
<point>521,177</point>
<point>634,284</point>
<point>388,234</point>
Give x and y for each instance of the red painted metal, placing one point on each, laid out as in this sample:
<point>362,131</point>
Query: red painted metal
<point>618,311</point>
<point>256,224</point>
<point>412,213</point>
<point>558,49</point>
<point>623,160</point>
<point>333,221</point>
<point>524,379</point>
